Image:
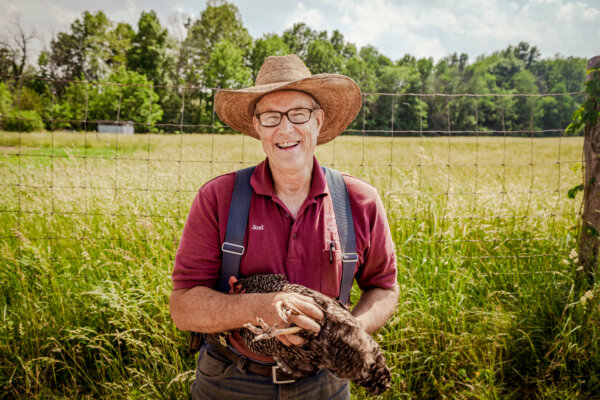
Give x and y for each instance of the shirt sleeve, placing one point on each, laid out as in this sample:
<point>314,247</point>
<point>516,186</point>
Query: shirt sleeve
<point>376,244</point>
<point>198,257</point>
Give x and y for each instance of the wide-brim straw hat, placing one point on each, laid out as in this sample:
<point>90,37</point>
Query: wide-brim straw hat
<point>338,95</point>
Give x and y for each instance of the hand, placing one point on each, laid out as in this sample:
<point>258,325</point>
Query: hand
<point>309,314</point>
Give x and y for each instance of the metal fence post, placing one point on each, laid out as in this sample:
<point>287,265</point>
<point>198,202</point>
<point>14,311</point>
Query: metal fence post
<point>589,240</point>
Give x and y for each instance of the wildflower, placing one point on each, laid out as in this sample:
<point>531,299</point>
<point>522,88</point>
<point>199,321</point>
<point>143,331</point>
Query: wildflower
<point>573,255</point>
<point>586,297</point>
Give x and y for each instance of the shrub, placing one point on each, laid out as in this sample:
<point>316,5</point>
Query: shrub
<point>23,121</point>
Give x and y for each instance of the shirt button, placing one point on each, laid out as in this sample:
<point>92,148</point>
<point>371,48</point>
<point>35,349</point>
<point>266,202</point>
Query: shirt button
<point>294,236</point>
<point>287,215</point>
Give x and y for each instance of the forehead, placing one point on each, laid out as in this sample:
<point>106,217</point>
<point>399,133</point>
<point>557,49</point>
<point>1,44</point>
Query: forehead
<point>284,99</point>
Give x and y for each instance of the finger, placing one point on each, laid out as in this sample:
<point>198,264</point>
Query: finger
<point>310,309</point>
<point>294,340</point>
<point>284,339</point>
<point>306,323</point>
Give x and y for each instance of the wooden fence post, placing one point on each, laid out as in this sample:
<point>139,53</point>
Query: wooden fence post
<point>589,242</point>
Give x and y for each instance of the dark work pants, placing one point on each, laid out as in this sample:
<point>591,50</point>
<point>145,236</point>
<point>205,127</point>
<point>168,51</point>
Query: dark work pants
<point>219,379</point>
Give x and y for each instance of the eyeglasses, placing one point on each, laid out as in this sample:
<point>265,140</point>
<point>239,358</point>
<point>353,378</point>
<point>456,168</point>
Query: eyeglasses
<point>270,119</point>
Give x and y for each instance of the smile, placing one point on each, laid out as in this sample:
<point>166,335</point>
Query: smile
<point>287,145</point>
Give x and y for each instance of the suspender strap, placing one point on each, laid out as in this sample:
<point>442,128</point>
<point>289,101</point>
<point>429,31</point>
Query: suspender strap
<point>233,246</point>
<point>345,228</point>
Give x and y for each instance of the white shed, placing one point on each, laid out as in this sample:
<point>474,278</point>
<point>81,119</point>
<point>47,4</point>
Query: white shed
<point>125,127</point>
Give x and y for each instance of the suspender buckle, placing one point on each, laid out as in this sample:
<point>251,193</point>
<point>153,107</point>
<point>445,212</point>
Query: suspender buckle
<point>232,248</point>
<point>349,257</point>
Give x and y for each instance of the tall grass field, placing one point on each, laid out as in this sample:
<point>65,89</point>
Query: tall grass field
<point>485,238</point>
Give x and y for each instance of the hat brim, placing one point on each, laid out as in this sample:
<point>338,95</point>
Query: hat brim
<point>338,96</point>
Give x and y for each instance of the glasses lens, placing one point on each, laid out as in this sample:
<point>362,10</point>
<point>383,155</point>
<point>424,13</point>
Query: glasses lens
<point>299,115</point>
<point>270,118</point>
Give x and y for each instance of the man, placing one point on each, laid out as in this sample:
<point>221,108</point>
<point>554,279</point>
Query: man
<point>291,230</point>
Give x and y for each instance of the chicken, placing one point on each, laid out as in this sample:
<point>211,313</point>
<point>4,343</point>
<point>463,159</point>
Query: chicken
<point>342,346</point>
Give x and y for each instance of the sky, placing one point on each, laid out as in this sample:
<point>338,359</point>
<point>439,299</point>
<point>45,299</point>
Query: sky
<point>427,28</point>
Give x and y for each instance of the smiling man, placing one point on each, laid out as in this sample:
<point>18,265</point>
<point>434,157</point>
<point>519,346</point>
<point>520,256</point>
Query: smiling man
<point>291,230</point>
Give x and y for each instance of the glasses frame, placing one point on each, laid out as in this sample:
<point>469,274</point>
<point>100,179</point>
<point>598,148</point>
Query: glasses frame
<point>281,114</point>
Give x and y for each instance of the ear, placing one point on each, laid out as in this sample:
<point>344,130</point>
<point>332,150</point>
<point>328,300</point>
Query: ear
<point>256,124</point>
<point>319,117</point>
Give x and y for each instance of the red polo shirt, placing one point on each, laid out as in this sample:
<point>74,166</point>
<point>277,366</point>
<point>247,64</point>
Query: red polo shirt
<point>277,243</point>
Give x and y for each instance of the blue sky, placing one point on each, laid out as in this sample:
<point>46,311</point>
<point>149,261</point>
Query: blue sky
<point>433,28</point>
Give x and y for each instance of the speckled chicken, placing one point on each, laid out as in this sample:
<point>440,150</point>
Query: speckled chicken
<point>342,345</point>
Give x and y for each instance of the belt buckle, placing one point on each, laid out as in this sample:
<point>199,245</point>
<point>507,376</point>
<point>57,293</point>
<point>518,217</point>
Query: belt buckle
<point>275,380</point>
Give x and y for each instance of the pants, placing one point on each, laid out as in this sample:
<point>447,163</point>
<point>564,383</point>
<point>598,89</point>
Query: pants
<point>217,378</point>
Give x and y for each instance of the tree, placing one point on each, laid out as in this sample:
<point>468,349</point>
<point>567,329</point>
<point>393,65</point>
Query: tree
<point>131,99</point>
<point>269,45</point>
<point>148,52</point>
<point>71,111</point>
<point>6,101</point>
<point>119,42</point>
<point>84,53</point>
<point>321,57</point>
<point>225,68</point>
<point>14,49</point>
<point>220,21</point>
<point>299,37</point>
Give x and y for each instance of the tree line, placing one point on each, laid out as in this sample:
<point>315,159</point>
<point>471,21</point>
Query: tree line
<point>104,70</point>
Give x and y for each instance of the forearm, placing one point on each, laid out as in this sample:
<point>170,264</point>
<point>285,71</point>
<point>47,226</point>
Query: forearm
<point>375,307</point>
<point>202,309</point>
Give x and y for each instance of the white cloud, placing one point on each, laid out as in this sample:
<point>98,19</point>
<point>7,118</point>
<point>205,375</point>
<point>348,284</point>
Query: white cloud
<point>310,16</point>
<point>423,28</point>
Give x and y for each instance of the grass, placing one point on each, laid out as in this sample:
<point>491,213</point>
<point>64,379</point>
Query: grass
<point>484,234</point>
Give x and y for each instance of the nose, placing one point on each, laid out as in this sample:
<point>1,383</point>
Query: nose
<point>285,124</point>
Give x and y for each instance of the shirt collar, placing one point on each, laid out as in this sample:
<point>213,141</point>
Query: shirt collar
<point>262,181</point>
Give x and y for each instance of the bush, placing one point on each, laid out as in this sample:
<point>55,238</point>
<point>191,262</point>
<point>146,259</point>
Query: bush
<point>23,121</point>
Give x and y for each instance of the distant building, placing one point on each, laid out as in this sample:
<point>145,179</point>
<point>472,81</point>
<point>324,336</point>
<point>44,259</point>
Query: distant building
<point>125,127</point>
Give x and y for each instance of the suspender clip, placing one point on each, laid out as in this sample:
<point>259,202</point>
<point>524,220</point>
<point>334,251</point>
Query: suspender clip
<point>232,248</point>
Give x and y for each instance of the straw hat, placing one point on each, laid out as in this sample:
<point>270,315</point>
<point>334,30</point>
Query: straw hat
<point>338,95</point>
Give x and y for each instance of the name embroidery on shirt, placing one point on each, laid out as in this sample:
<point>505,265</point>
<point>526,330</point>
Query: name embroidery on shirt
<point>258,227</point>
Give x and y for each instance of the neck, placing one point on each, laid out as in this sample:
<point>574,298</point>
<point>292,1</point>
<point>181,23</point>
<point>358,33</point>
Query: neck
<point>294,183</point>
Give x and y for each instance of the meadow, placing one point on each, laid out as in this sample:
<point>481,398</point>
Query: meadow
<point>485,237</point>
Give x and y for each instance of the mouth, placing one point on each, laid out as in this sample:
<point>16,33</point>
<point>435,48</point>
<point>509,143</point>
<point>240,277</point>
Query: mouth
<point>287,145</point>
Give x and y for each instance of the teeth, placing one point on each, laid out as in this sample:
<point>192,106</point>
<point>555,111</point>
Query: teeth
<point>285,145</point>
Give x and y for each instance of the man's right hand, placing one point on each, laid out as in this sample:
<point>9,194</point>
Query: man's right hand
<point>308,318</point>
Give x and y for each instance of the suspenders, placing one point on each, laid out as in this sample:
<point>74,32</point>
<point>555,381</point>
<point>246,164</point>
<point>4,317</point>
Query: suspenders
<point>233,247</point>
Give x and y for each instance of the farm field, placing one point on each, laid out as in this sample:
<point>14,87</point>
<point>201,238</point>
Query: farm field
<point>485,237</point>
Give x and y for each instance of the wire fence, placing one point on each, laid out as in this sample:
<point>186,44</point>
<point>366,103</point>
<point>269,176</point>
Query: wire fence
<point>472,195</point>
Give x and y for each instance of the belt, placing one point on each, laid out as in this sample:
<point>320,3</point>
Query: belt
<point>244,364</point>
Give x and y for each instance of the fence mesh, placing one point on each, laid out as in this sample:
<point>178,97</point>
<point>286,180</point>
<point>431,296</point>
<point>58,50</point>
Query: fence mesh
<point>471,195</point>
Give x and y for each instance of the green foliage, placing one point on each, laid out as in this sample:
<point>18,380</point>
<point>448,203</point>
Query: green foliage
<point>225,67</point>
<point>133,99</point>
<point>148,52</point>
<point>23,121</point>
<point>572,193</point>
<point>220,21</point>
<point>71,112</point>
<point>588,113</point>
<point>268,45</point>
<point>6,100</point>
<point>216,50</point>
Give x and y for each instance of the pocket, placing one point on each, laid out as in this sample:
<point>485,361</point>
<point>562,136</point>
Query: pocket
<point>333,377</point>
<point>212,365</point>
<point>331,273</point>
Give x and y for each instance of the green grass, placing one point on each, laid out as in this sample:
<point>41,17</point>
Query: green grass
<point>483,230</point>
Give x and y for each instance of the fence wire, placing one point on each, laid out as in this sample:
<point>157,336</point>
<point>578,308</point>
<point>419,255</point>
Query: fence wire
<point>467,196</point>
